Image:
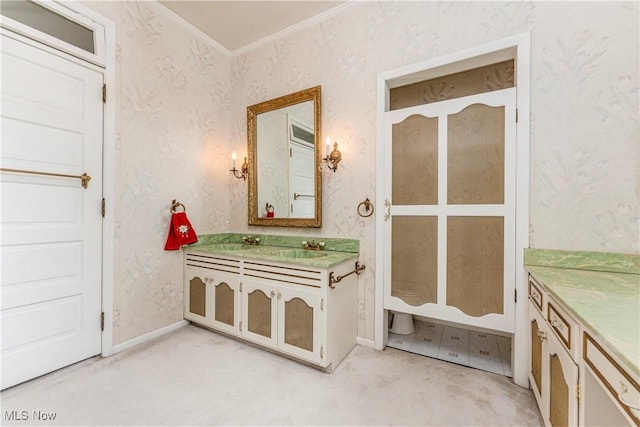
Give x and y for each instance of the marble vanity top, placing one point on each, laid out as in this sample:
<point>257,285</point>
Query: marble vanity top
<point>602,291</point>
<point>283,249</point>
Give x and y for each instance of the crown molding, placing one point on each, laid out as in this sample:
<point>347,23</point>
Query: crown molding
<point>349,4</point>
<point>169,13</point>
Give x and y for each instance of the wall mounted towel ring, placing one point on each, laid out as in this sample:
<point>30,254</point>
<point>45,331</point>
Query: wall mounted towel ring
<point>368,208</point>
<point>175,205</point>
<point>181,231</point>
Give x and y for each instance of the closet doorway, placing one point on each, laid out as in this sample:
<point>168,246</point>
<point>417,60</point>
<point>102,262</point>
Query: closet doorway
<point>448,179</point>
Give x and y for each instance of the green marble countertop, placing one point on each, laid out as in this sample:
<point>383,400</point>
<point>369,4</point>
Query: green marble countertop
<point>282,249</point>
<point>606,302</point>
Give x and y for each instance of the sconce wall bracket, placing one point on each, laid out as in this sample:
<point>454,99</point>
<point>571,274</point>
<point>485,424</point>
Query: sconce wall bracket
<point>332,159</point>
<point>243,172</point>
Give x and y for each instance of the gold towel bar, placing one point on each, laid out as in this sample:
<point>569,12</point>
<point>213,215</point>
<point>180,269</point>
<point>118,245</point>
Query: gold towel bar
<point>333,280</point>
<point>84,177</point>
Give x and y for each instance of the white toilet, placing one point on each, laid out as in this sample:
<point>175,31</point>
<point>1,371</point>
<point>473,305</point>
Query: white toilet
<point>401,323</point>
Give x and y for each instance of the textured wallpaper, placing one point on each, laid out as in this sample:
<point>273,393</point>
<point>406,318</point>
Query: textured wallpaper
<point>172,124</point>
<point>182,110</point>
<point>584,121</point>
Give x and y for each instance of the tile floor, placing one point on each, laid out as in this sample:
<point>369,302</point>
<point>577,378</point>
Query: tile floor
<point>483,351</point>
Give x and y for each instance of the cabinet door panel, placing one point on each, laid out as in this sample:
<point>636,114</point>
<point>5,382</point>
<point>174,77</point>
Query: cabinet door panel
<point>197,296</point>
<point>558,393</point>
<point>537,352</point>
<point>259,313</point>
<point>299,323</point>
<point>563,381</point>
<point>225,304</point>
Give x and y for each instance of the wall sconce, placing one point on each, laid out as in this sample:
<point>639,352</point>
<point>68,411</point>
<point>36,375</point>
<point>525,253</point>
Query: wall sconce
<point>244,169</point>
<point>333,158</point>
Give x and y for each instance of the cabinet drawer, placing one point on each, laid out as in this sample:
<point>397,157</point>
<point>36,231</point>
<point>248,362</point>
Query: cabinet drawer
<point>623,388</point>
<point>565,328</point>
<point>535,294</point>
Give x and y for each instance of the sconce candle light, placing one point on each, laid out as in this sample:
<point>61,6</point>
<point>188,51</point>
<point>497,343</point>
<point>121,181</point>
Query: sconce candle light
<point>244,169</point>
<point>333,158</point>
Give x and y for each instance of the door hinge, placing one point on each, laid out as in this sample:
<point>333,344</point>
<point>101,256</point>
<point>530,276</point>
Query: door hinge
<point>516,115</point>
<point>515,291</point>
<point>102,321</point>
<point>321,352</point>
<point>240,286</point>
<point>322,304</point>
<point>104,93</point>
<point>240,326</point>
<point>290,152</point>
<point>103,208</point>
<point>578,392</point>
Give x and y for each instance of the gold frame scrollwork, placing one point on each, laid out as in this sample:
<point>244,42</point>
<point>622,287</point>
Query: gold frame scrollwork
<point>311,94</point>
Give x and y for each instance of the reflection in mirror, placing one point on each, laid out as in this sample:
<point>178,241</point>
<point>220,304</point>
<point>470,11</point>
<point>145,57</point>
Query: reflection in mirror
<point>284,154</point>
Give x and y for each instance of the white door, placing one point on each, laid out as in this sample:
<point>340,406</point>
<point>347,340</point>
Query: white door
<point>450,223</point>
<point>51,226</point>
<point>301,181</point>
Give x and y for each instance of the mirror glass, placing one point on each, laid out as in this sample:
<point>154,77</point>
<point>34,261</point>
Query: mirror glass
<point>284,144</point>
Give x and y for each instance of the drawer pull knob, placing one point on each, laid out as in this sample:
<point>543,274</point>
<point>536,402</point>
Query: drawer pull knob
<point>623,391</point>
<point>557,324</point>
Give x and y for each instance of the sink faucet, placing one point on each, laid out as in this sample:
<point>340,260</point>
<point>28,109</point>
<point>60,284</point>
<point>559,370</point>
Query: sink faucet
<point>250,240</point>
<point>313,246</point>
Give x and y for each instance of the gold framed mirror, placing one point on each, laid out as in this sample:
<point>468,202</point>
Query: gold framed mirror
<point>285,153</point>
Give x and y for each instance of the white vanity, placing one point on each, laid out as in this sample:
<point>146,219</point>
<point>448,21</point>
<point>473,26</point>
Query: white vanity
<point>584,336</point>
<point>296,302</point>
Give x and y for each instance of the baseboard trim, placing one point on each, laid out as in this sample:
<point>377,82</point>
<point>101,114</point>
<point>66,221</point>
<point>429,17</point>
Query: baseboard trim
<point>148,336</point>
<point>365,342</point>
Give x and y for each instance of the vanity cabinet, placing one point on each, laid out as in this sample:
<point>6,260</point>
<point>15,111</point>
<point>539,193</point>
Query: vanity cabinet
<point>554,373</point>
<point>574,378</point>
<point>287,308</point>
<point>211,292</point>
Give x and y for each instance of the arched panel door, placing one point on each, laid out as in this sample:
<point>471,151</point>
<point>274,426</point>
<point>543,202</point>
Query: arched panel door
<point>450,223</point>
<point>299,323</point>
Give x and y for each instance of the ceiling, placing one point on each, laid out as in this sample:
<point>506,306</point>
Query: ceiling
<point>235,24</point>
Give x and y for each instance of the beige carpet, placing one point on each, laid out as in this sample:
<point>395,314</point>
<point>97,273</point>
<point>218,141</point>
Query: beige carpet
<point>195,377</point>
